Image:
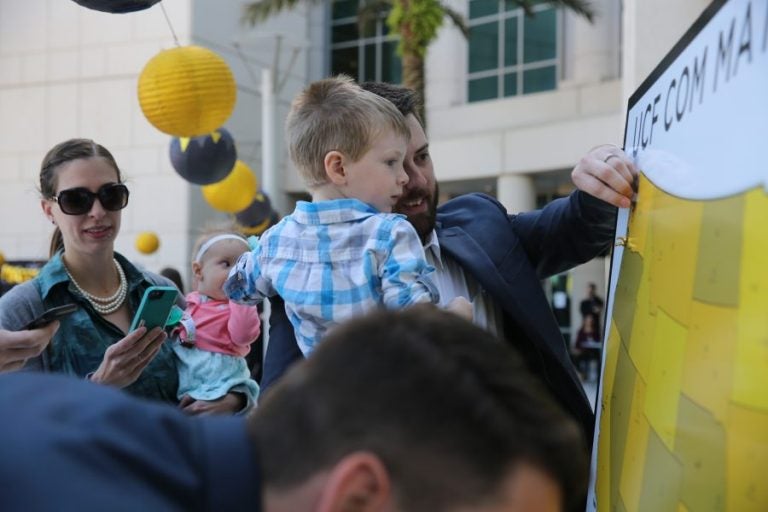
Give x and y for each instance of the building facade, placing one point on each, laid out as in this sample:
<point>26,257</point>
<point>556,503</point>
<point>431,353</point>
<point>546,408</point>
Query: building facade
<point>509,110</point>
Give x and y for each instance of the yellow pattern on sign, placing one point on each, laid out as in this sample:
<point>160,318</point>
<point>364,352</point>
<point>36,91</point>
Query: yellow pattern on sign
<point>750,387</point>
<point>634,451</point>
<point>747,460</point>
<point>665,376</point>
<point>684,409</point>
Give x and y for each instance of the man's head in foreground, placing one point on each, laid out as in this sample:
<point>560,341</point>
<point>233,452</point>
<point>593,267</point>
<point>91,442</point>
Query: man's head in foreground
<point>416,411</point>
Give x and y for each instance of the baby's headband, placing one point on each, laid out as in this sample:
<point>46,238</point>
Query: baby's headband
<point>218,238</point>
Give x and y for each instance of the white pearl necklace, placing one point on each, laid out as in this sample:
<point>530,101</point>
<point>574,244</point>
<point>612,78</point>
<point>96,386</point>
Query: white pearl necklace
<point>104,305</point>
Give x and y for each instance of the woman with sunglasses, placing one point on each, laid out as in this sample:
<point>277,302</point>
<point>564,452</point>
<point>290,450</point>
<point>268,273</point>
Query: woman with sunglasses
<point>83,195</point>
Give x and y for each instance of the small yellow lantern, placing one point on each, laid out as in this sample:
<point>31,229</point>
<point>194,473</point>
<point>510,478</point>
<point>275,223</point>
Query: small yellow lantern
<point>235,192</point>
<point>147,242</point>
<point>187,91</point>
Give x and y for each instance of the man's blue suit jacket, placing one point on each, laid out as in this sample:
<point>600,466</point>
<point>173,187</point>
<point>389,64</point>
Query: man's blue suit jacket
<point>509,255</point>
<point>69,444</point>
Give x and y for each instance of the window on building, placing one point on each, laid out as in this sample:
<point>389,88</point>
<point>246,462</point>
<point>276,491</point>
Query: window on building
<point>367,56</point>
<point>511,53</point>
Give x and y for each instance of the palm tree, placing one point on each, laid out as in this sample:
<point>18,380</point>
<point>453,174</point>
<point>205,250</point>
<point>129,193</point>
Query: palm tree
<point>416,22</point>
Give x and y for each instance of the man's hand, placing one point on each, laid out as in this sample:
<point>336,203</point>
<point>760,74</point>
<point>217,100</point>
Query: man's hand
<point>228,404</point>
<point>17,347</point>
<point>608,174</point>
<point>462,307</point>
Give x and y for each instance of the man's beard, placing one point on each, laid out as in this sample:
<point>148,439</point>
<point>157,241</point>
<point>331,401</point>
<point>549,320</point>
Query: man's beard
<point>424,223</point>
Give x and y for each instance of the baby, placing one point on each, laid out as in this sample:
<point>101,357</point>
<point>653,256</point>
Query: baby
<point>215,334</point>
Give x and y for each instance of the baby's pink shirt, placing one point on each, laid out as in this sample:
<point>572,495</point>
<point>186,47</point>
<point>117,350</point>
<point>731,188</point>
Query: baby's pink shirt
<point>221,325</point>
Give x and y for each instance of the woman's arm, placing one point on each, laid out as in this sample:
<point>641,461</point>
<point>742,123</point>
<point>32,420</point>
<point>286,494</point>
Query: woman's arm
<point>18,347</point>
<point>18,307</point>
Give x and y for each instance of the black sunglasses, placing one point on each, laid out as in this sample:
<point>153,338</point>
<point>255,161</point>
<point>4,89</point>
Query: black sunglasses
<point>79,201</point>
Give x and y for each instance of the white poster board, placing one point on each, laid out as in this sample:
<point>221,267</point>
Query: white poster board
<point>683,404</point>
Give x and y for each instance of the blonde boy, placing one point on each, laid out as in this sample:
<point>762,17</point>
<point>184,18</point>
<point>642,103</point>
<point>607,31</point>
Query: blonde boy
<point>344,253</point>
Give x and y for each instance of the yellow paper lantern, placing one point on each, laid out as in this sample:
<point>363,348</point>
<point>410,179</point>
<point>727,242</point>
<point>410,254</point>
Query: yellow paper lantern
<point>235,192</point>
<point>2,259</point>
<point>187,91</point>
<point>17,274</point>
<point>147,242</point>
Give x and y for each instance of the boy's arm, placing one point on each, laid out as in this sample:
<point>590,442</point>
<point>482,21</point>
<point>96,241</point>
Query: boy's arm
<point>246,284</point>
<point>405,273</point>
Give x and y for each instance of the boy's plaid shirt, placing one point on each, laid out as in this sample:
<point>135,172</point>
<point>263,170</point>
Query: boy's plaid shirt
<point>333,260</point>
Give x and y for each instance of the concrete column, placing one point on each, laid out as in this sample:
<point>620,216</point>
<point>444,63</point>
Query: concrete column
<point>591,50</point>
<point>516,192</point>
<point>270,173</point>
<point>651,29</point>
<point>446,64</point>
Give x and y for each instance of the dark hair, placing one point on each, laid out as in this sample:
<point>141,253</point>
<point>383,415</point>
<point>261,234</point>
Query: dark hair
<point>175,276</point>
<point>406,100</point>
<point>61,153</point>
<point>449,409</point>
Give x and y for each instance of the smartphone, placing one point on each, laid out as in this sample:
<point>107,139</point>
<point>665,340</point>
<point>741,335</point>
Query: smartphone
<point>51,315</point>
<point>155,307</point>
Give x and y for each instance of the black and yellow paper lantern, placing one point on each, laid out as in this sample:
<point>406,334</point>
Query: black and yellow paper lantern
<point>147,242</point>
<point>187,91</point>
<point>117,6</point>
<point>204,160</point>
<point>235,192</point>
<point>255,219</point>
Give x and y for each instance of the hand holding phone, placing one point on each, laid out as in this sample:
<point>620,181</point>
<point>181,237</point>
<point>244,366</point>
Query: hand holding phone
<point>125,360</point>
<point>16,348</point>
<point>50,315</point>
<point>155,307</point>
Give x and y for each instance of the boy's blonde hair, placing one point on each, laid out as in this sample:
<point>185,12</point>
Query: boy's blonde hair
<point>335,114</point>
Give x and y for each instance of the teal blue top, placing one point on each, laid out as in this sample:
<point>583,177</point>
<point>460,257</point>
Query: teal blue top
<point>79,345</point>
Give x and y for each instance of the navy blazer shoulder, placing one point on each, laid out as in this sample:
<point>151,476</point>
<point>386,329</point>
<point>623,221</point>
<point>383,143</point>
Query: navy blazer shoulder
<point>75,445</point>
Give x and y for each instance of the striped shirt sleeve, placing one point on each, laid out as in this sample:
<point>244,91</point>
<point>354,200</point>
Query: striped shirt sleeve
<point>406,277</point>
<point>246,284</point>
